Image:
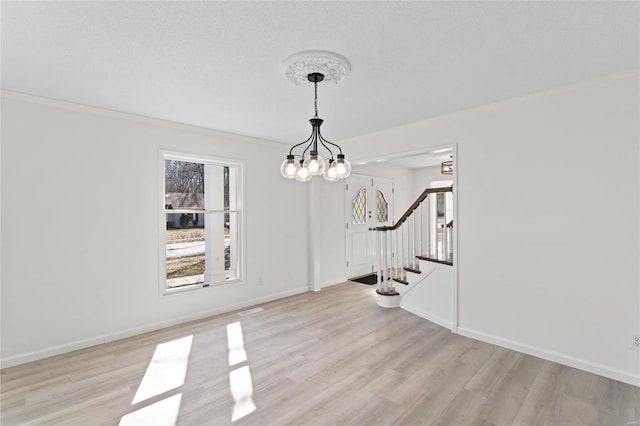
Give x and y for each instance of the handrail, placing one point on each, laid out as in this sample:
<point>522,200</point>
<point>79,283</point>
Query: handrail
<point>413,206</point>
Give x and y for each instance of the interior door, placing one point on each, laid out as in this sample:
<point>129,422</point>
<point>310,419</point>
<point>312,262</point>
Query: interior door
<point>369,202</point>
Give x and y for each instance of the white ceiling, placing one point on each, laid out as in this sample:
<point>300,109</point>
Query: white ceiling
<point>218,64</point>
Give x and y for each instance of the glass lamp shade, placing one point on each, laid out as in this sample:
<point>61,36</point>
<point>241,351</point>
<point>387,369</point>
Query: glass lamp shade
<point>314,163</point>
<point>289,168</point>
<point>343,167</point>
<point>331,173</point>
<point>303,174</point>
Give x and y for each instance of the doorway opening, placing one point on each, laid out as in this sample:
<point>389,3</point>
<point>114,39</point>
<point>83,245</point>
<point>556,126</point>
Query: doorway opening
<point>411,173</point>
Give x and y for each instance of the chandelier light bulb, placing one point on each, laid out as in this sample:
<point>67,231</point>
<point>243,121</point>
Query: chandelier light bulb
<point>331,174</point>
<point>343,167</point>
<point>289,167</point>
<point>315,164</point>
<point>302,174</point>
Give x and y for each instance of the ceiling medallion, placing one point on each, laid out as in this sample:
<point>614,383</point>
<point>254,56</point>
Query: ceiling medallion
<point>332,66</point>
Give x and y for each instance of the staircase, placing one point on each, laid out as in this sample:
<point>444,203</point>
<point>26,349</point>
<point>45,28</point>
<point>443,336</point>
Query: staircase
<point>410,251</point>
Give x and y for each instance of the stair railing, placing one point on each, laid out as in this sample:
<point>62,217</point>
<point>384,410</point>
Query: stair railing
<point>398,247</point>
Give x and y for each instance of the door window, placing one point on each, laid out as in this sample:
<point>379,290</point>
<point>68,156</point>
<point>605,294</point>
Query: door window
<point>360,207</point>
<point>382,207</point>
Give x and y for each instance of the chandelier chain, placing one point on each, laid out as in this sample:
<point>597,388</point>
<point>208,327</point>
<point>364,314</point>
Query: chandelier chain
<point>315,99</point>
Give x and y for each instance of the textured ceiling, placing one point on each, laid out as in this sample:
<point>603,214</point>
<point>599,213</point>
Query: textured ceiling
<point>218,64</point>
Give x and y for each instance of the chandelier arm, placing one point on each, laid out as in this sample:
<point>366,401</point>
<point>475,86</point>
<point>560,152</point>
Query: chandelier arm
<point>305,151</point>
<point>313,144</point>
<point>301,143</point>
<point>323,140</point>
<point>307,148</point>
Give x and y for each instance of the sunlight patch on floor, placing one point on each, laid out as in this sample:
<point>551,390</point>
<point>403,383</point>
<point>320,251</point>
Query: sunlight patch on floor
<point>161,413</point>
<point>240,383</point>
<point>237,354</point>
<point>242,392</point>
<point>167,369</point>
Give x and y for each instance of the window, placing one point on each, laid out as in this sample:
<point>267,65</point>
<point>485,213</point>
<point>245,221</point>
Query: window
<point>201,222</point>
<point>382,207</point>
<point>359,204</point>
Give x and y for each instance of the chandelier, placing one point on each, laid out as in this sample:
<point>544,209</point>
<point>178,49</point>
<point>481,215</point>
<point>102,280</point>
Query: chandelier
<point>316,155</point>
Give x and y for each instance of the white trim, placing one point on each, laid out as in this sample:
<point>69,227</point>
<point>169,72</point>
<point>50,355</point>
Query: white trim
<point>408,153</point>
<point>123,334</point>
<point>71,106</point>
<point>582,364</point>
<point>456,226</point>
<point>240,166</point>
<point>424,314</point>
<point>332,283</point>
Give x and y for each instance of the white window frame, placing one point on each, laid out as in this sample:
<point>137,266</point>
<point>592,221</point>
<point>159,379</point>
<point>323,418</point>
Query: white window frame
<point>162,224</point>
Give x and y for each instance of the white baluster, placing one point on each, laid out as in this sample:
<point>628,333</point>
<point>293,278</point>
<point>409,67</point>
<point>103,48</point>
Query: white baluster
<point>407,243</point>
<point>415,239</point>
<point>420,240</point>
<point>379,260</point>
<point>385,263</point>
<point>402,243</point>
<point>428,236</point>
<point>393,252</point>
<point>389,280</point>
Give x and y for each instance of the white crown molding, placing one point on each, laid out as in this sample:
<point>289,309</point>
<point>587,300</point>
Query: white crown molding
<point>298,66</point>
<point>72,106</point>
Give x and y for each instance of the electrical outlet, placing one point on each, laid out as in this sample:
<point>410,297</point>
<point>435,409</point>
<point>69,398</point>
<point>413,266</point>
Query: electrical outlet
<point>634,342</point>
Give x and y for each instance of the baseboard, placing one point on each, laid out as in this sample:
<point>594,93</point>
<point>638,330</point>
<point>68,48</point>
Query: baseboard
<point>426,315</point>
<point>123,334</point>
<point>591,367</point>
<point>331,283</point>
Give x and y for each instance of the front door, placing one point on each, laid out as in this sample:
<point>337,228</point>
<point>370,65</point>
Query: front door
<point>369,202</point>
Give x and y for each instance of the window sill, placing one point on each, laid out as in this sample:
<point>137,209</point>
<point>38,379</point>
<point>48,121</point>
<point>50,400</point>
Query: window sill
<point>200,286</point>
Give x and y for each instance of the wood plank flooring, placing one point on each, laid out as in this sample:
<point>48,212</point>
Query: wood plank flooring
<point>327,358</point>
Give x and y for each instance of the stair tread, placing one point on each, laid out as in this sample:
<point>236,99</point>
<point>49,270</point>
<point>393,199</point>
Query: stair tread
<point>431,259</point>
<point>401,281</point>
<point>415,271</point>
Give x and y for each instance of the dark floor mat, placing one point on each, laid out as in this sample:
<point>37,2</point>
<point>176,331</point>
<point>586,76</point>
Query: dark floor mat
<point>370,279</point>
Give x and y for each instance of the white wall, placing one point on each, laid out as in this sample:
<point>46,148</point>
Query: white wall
<point>423,177</point>
<point>432,298</point>
<point>332,252</point>
<point>553,271</point>
<point>80,193</point>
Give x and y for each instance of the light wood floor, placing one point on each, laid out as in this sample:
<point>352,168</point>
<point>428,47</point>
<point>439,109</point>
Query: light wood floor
<point>325,358</point>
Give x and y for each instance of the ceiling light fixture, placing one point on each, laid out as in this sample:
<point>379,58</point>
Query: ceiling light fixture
<point>306,68</point>
<point>446,167</point>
